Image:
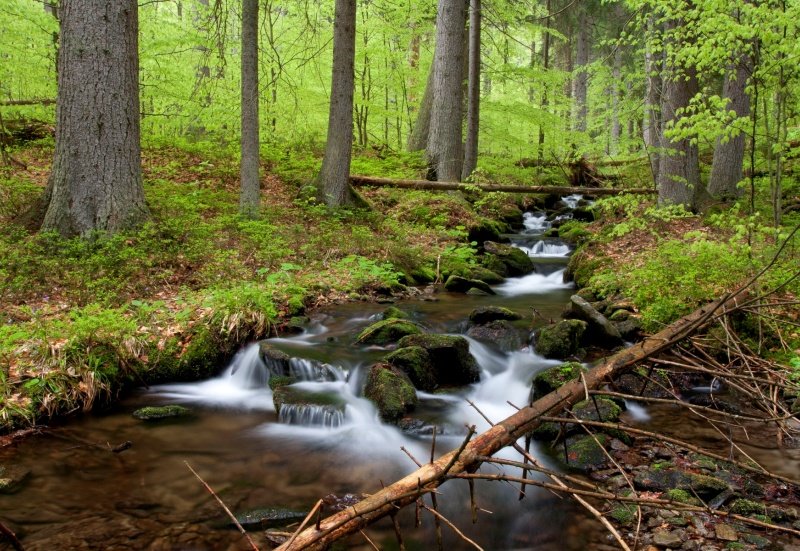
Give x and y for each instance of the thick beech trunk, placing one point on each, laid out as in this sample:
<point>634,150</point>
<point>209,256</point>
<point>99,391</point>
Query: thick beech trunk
<point>96,181</point>
<point>580,83</point>
<point>333,179</point>
<point>456,186</point>
<point>407,490</point>
<point>444,151</point>
<point>473,90</point>
<point>418,140</point>
<point>250,193</point>
<point>726,168</point>
<point>651,125</point>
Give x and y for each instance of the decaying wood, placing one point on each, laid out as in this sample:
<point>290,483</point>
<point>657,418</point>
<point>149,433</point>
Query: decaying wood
<point>470,456</point>
<point>15,102</point>
<point>456,186</point>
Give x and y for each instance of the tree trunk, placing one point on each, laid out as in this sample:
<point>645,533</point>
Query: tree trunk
<point>250,193</point>
<point>545,66</point>
<point>504,433</point>
<point>726,168</point>
<point>96,182</point>
<point>334,183</point>
<point>418,140</point>
<point>444,141</point>
<point>616,81</point>
<point>651,125</point>
<point>473,90</point>
<point>580,82</point>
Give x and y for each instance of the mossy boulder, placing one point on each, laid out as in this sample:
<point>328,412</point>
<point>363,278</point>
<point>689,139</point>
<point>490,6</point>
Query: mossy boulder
<point>500,333</point>
<point>586,453</point>
<point>394,313</point>
<point>156,413</point>
<point>561,340</point>
<point>391,390</point>
<point>453,365</point>
<point>481,273</point>
<point>487,314</point>
<point>415,362</point>
<point>746,507</point>
<point>704,486</point>
<point>458,284</point>
<point>553,378</point>
<point>487,230</point>
<point>276,381</point>
<point>599,409</point>
<point>514,261</point>
<point>599,329</point>
<point>388,331</point>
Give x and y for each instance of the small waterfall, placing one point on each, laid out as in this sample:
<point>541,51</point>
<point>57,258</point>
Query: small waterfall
<point>532,284</point>
<point>247,369</point>
<point>545,249</point>
<point>311,415</point>
<point>637,411</point>
<point>535,222</point>
<point>572,200</point>
<point>311,370</point>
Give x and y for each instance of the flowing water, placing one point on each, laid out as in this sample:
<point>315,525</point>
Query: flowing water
<point>80,495</point>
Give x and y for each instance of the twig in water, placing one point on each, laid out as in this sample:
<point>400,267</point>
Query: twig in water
<point>225,507</point>
<point>437,515</point>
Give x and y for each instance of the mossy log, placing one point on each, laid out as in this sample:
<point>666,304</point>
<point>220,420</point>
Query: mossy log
<point>456,186</point>
<point>468,458</point>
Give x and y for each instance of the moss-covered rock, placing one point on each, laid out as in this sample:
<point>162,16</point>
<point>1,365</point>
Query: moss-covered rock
<point>388,331</point>
<point>156,413</point>
<point>561,340</point>
<point>485,314</point>
<point>296,406</point>
<point>394,313</point>
<point>453,365</point>
<point>481,273</point>
<point>599,409</point>
<point>704,486</point>
<point>415,362</point>
<point>500,333</point>
<point>487,230</point>
<point>586,453</point>
<point>550,379</point>
<point>746,507</point>
<point>277,361</point>
<point>458,284</point>
<point>276,381</point>
<point>391,390</point>
<point>514,261</point>
<point>681,496</point>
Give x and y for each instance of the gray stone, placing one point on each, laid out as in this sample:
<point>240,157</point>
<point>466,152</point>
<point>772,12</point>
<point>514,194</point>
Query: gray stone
<point>486,314</point>
<point>726,532</point>
<point>561,340</point>
<point>669,538</point>
<point>458,284</point>
<point>599,330</point>
<point>155,413</point>
<point>453,365</point>
<point>499,332</point>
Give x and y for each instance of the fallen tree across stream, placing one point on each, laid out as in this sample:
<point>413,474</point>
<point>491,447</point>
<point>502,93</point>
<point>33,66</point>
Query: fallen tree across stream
<point>474,451</point>
<point>457,186</point>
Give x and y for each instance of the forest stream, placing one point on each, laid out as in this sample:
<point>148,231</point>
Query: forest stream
<point>80,495</point>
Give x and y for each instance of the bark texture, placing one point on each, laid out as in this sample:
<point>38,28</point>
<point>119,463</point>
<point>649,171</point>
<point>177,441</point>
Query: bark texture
<point>651,125</point>
<point>726,168</point>
<point>334,183</point>
<point>96,181</point>
<point>580,84</point>
<point>250,193</point>
<point>473,90</point>
<point>418,140</point>
<point>444,141</point>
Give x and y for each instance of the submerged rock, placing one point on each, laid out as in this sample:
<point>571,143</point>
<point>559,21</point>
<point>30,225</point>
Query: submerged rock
<point>458,284</point>
<point>507,260</point>
<point>155,413</point>
<point>661,480</point>
<point>268,516</point>
<point>391,391</point>
<point>394,313</point>
<point>415,362</point>
<point>388,331</point>
<point>13,478</point>
<point>453,365</point>
<point>561,340</point>
<point>486,314</point>
<point>499,332</point>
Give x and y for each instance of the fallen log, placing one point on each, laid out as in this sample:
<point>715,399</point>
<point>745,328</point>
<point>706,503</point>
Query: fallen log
<point>15,102</point>
<point>357,180</point>
<point>471,454</point>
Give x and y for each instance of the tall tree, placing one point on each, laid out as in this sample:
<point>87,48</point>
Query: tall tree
<point>96,181</point>
<point>580,83</point>
<point>249,197</point>
<point>334,177</point>
<point>726,167</point>
<point>418,140</point>
<point>444,140</point>
<point>651,125</point>
<point>473,90</point>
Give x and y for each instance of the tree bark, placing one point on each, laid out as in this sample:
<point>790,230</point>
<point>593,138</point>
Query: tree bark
<point>456,186</point>
<point>651,125</point>
<point>333,181</point>
<point>444,141</point>
<point>580,83</point>
<point>473,90</point>
<point>616,82</point>
<point>727,166</point>
<point>408,489</point>
<point>96,182</point>
<point>250,192</point>
<point>418,140</point>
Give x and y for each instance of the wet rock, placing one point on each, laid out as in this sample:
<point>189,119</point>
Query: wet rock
<point>583,214</point>
<point>630,329</point>
<point>277,361</point>
<point>268,517</point>
<point>297,406</point>
<point>509,260</point>
<point>333,502</point>
<point>296,325</point>
<point>599,409</point>
<point>394,313</point>
<point>276,381</point>
<point>487,230</point>
<point>585,453</point>
<point>391,391</point>
<point>387,331</point>
<point>453,365</point>
<point>155,413</point>
<point>725,532</point>
<point>667,479</point>
<point>561,340</point>
<point>619,315</point>
<point>12,478</point>
<point>475,292</point>
<point>747,507</point>
<point>486,314</point>
<point>499,332</point>
<point>599,329</point>
<point>458,284</point>
<point>415,362</point>
<point>417,427</point>
<point>483,274</point>
<point>759,542</point>
<point>669,538</point>
<point>550,379</point>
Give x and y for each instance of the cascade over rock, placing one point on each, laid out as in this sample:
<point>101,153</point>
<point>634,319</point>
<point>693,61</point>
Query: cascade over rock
<point>453,365</point>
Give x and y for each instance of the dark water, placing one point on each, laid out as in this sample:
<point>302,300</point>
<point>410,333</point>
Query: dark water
<point>80,495</point>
